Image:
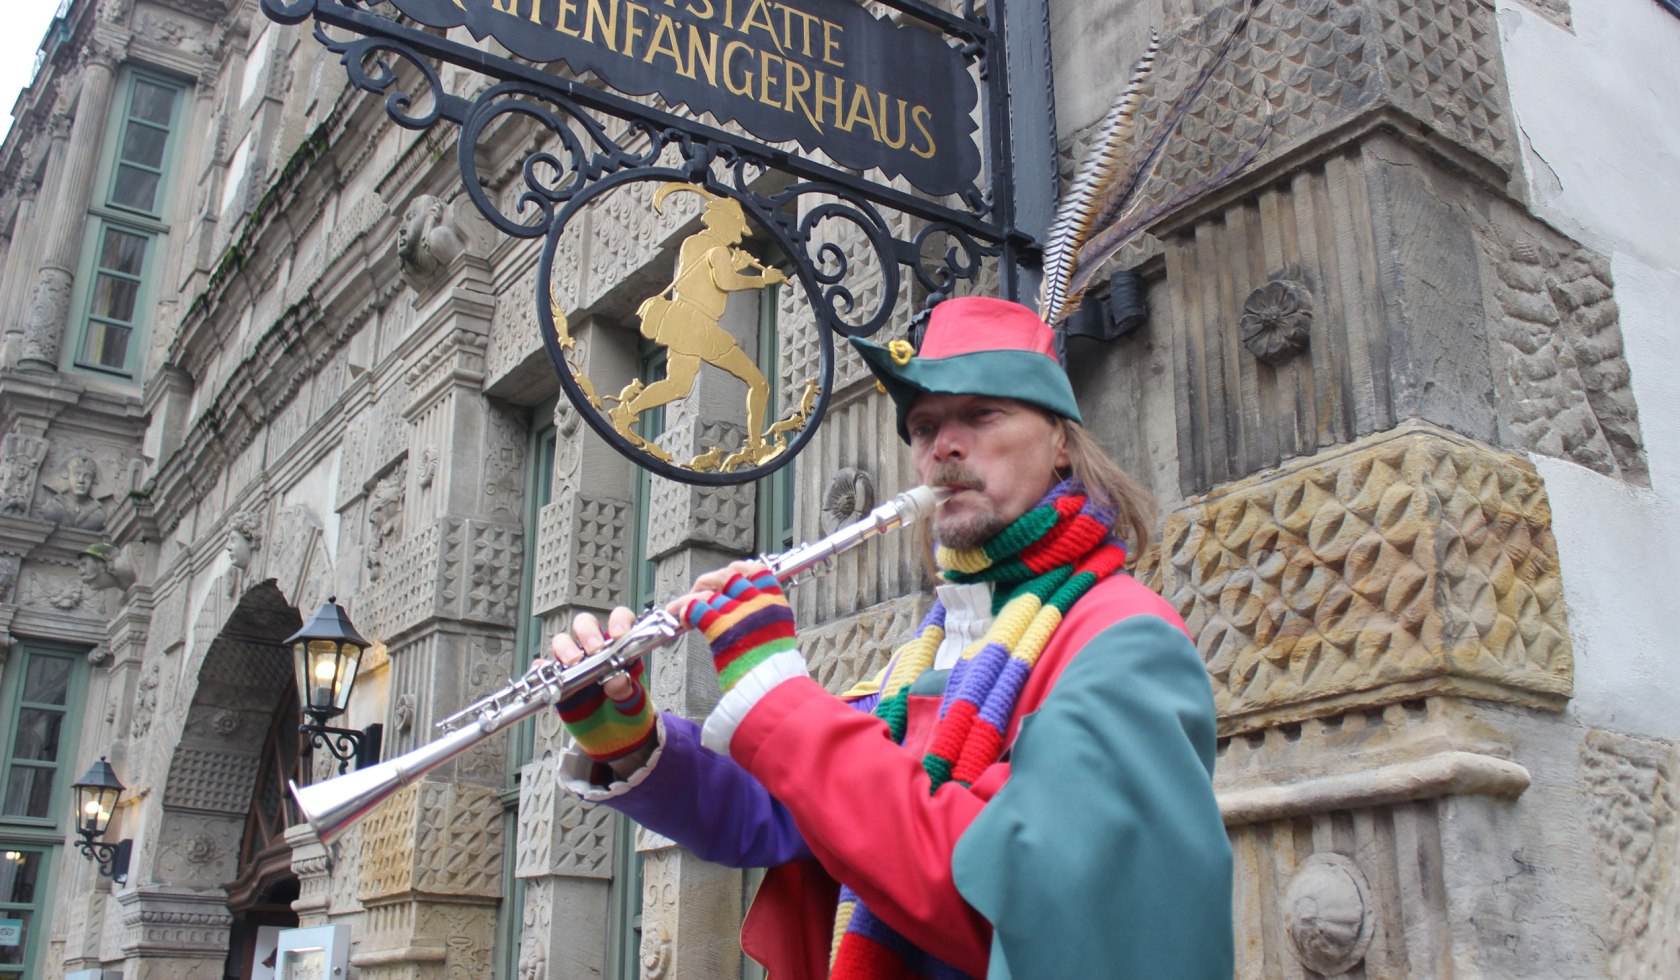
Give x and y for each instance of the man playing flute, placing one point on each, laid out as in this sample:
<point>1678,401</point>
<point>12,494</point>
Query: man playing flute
<point>1025,790</point>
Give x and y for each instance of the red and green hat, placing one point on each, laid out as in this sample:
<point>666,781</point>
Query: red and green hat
<point>975,345</point>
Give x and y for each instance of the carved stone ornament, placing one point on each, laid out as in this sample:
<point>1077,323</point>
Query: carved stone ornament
<point>20,463</point>
<point>427,241</point>
<point>200,849</point>
<point>1328,914</point>
<point>145,701</point>
<point>244,538</point>
<point>75,501</point>
<point>9,566</point>
<point>1276,320</point>
<point>402,717</point>
<point>103,566</point>
<point>850,495</point>
<point>226,723</point>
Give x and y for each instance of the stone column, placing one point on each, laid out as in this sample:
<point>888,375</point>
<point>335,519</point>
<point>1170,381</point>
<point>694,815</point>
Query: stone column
<point>27,234</point>
<point>49,307</point>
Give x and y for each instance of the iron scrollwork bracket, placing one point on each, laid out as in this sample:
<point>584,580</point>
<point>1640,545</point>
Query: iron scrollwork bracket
<point>598,139</point>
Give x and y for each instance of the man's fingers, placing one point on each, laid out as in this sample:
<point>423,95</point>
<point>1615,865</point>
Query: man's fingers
<point>564,649</point>
<point>586,629</point>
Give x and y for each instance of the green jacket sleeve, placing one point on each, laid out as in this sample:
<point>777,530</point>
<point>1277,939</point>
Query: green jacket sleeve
<point>1104,855</point>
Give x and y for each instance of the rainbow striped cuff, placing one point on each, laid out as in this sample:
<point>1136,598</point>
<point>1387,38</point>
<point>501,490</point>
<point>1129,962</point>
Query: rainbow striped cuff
<point>605,729</point>
<point>747,623</point>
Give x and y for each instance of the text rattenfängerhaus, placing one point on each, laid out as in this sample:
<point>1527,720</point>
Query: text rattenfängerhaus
<point>771,52</point>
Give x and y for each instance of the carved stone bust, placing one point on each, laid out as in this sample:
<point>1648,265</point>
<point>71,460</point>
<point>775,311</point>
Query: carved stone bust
<point>427,241</point>
<point>244,538</point>
<point>74,504</point>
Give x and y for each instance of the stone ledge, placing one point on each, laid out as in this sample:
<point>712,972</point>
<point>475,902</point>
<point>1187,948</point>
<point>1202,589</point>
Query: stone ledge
<point>1445,774</point>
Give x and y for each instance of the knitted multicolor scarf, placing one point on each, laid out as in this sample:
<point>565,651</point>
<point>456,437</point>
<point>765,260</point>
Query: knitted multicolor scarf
<point>1039,566</point>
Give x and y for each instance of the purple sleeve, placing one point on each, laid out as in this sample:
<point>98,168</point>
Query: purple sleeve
<point>710,805</point>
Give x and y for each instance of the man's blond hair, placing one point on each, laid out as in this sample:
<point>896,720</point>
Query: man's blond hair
<point>1111,486</point>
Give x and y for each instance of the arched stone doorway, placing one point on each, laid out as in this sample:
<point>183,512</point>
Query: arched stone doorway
<point>224,808</point>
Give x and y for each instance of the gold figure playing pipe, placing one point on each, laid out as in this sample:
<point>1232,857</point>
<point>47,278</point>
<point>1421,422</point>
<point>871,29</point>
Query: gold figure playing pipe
<point>683,317</point>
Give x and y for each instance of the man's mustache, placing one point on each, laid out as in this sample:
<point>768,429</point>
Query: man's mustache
<point>956,476</point>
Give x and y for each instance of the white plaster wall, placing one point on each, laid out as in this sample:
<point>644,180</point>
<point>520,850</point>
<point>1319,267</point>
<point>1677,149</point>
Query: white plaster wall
<point>1602,162</point>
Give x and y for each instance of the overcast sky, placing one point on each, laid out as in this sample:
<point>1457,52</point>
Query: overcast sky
<point>18,42</point>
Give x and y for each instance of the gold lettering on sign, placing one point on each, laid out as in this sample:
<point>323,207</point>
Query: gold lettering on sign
<point>773,53</point>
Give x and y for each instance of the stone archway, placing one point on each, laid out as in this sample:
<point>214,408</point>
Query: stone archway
<point>242,695</point>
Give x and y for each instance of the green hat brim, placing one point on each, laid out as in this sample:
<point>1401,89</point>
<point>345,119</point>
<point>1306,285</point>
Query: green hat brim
<point>1025,376</point>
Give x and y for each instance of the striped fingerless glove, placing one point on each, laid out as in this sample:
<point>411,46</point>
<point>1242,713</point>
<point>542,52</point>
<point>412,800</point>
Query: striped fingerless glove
<point>747,624</point>
<point>605,729</point>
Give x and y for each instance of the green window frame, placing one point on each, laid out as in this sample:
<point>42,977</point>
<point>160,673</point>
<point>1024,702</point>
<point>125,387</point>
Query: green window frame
<point>624,915</point>
<point>774,519</point>
<point>26,885</point>
<point>127,227</point>
<point>528,645</point>
<point>43,694</point>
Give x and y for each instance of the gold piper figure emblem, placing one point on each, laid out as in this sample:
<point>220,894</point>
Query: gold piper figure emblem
<point>684,319</point>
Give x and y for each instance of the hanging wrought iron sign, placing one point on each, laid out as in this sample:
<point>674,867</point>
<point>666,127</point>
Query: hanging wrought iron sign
<point>892,97</point>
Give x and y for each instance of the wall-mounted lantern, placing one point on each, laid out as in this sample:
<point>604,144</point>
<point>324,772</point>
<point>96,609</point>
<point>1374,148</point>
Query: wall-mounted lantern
<point>96,799</point>
<point>327,653</point>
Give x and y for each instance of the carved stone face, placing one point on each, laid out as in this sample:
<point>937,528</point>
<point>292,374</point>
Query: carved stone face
<point>89,568</point>
<point>80,474</point>
<point>239,550</point>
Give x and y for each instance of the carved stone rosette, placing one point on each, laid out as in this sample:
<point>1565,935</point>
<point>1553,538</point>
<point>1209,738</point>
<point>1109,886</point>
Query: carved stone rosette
<point>1412,563</point>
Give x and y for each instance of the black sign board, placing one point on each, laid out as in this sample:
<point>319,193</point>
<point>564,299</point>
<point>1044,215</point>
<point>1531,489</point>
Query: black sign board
<point>918,95</point>
<point>825,73</point>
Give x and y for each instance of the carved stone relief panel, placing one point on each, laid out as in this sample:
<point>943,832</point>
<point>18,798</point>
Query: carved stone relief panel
<point>10,565</point>
<point>409,594</point>
<point>558,833</point>
<point>201,851</point>
<point>297,535</point>
<point>514,340</point>
<point>213,779</point>
<point>1414,562</point>
<point>20,466</point>
<point>535,932</point>
<point>487,668</point>
<point>845,651</point>
<point>78,486</point>
<point>1316,64</point>
<point>581,558</point>
<point>503,470</point>
<point>1565,389</point>
<point>386,498</point>
<point>680,514</point>
<point>439,838</point>
<point>486,574</point>
<point>691,917</point>
<point>58,591</point>
<point>1633,811</point>
<point>1307,893</point>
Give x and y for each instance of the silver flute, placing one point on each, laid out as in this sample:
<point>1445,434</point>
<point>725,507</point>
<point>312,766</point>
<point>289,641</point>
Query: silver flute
<point>332,805</point>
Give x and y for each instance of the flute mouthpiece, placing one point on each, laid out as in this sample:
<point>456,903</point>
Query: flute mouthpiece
<point>920,502</point>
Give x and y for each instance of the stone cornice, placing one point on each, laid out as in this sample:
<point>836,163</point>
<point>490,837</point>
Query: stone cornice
<point>49,397</point>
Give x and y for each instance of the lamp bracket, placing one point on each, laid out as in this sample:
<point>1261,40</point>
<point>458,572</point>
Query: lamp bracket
<point>346,744</point>
<point>111,858</point>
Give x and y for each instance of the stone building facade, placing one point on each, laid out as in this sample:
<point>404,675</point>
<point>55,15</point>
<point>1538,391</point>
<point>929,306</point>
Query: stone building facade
<point>1402,393</point>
